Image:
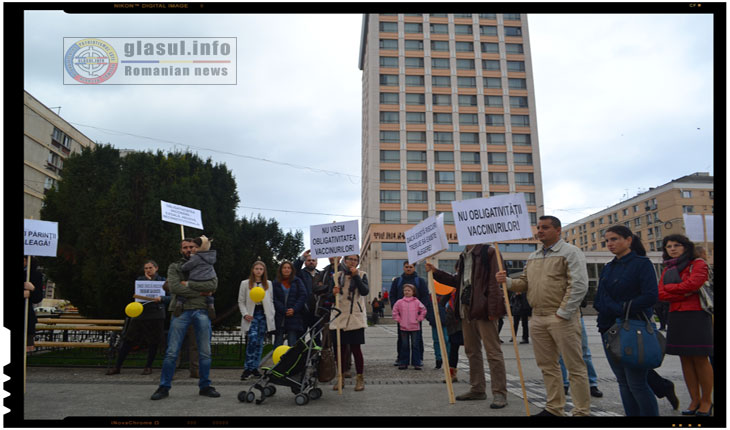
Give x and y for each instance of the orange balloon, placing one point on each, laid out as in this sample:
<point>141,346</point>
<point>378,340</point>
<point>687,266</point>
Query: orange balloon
<point>441,289</point>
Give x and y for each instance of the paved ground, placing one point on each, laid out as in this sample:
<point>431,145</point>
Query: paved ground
<point>55,394</point>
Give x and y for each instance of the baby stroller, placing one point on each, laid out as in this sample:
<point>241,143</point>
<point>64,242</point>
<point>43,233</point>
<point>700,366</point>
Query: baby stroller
<point>297,369</point>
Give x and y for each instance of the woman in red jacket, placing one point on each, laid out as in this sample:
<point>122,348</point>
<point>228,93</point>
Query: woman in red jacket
<point>690,328</point>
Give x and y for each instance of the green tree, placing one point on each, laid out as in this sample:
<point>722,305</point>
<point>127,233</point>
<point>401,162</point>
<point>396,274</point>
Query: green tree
<point>108,210</point>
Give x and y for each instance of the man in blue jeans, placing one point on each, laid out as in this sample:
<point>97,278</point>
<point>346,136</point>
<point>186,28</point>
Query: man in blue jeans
<point>592,376</point>
<point>195,312</point>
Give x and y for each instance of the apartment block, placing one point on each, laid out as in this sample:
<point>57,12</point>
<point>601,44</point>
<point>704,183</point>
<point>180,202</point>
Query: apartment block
<point>652,215</point>
<point>448,114</point>
<point>47,141</point>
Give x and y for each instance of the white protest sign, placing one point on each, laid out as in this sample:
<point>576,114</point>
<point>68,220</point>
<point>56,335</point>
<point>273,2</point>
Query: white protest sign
<point>149,289</point>
<point>695,230</point>
<point>426,239</point>
<point>40,238</point>
<point>493,219</point>
<point>182,215</point>
<point>335,239</point>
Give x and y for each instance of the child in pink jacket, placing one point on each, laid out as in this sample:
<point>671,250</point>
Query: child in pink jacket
<point>409,312</point>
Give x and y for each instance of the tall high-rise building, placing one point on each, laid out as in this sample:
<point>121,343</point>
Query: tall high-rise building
<point>448,114</point>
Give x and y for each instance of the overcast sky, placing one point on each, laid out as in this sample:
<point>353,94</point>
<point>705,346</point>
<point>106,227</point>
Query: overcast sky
<point>624,102</point>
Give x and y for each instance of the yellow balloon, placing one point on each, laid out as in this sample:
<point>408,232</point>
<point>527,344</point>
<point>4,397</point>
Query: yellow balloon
<point>257,294</point>
<point>279,351</point>
<point>134,309</point>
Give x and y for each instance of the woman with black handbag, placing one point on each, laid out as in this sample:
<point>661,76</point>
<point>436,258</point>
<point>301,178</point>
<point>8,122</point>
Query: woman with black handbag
<point>690,328</point>
<point>629,281</point>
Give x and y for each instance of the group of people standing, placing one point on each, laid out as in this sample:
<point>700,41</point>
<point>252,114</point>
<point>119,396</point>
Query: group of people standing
<point>552,287</point>
<point>300,298</point>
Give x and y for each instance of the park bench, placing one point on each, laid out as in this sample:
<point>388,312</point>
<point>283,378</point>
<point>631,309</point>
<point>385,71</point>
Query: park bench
<point>71,326</point>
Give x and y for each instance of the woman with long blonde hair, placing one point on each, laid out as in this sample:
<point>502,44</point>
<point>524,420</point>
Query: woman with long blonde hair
<point>257,318</point>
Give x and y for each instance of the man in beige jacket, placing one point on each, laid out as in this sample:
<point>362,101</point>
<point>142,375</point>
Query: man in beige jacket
<point>556,280</point>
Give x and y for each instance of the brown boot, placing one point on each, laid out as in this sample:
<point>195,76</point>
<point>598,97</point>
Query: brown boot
<point>359,383</point>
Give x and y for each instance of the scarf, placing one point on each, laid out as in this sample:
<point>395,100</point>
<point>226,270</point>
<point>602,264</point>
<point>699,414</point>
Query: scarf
<point>675,266</point>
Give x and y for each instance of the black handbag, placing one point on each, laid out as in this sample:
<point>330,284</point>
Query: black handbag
<point>635,343</point>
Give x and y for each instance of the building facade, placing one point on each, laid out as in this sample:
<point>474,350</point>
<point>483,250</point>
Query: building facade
<point>651,215</point>
<point>47,141</point>
<point>448,114</point>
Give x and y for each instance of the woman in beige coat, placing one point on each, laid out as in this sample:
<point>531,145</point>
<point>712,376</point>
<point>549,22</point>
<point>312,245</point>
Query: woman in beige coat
<point>351,294</point>
<point>257,318</point>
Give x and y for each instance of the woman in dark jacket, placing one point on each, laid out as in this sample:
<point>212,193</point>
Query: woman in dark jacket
<point>146,329</point>
<point>32,291</point>
<point>627,281</point>
<point>690,328</point>
<point>290,296</point>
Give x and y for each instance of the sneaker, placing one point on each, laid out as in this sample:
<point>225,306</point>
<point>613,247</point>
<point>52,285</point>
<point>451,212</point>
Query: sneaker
<point>396,363</point>
<point>545,413</point>
<point>470,395</point>
<point>247,374</point>
<point>595,392</point>
<point>417,367</point>
<point>499,402</point>
<point>256,373</point>
<point>209,392</point>
<point>402,366</point>
<point>161,393</point>
<point>524,341</point>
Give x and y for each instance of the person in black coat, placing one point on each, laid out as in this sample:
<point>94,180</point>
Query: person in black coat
<point>521,311</point>
<point>32,291</point>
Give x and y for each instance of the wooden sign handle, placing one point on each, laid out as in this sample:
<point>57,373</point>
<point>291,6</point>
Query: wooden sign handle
<point>442,342</point>
<point>339,345</point>
<point>512,329</point>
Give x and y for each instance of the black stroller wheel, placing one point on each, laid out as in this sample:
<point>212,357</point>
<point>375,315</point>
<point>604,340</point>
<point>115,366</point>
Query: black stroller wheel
<point>242,396</point>
<point>250,397</point>
<point>269,390</point>
<point>315,393</point>
<point>301,399</point>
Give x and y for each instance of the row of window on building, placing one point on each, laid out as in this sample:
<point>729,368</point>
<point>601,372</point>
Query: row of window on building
<point>448,177</point>
<point>445,63</point>
<point>445,46</point>
<point>447,138</point>
<point>442,197</point>
<point>492,83</point>
<point>466,100</point>
<point>490,120</point>
<point>447,157</point>
<point>505,16</point>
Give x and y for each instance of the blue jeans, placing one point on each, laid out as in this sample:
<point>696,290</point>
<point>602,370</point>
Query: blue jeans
<point>437,345</point>
<point>592,376</point>
<point>636,396</point>
<point>255,344</point>
<point>175,336</point>
<point>411,343</point>
<point>291,337</point>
